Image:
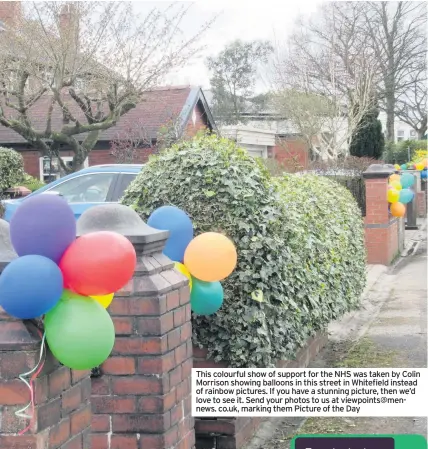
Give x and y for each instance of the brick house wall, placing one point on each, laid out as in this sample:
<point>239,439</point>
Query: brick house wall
<point>292,152</point>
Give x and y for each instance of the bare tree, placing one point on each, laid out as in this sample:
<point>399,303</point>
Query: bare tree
<point>325,78</point>
<point>128,141</point>
<point>411,106</point>
<point>397,32</point>
<point>88,62</point>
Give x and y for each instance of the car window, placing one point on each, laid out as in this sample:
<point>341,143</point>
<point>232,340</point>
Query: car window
<point>91,188</point>
<point>125,180</point>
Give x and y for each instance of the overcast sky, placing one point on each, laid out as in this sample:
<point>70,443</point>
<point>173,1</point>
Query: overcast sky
<point>249,20</point>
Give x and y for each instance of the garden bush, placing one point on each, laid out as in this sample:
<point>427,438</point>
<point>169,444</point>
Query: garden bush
<point>398,153</point>
<point>11,168</point>
<point>299,242</point>
<point>31,183</point>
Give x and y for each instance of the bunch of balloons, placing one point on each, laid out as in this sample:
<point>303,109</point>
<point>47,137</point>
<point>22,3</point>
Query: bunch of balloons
<point>70,281</point>
<point>205,260</point>
<point>399,193</point>
<point>421,166</point>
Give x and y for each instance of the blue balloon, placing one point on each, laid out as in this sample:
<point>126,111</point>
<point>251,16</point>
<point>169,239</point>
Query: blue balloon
<point>30,286</point>
<point>206,298</point>
<point>180,227</point>
<point>43,225</point>
<point>407,180</point>
<point>406,195</point>
<point>424,174</point>
<point>404,167</point>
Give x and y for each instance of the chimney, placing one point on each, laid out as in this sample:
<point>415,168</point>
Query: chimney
<point>69,23</point>
<point>10,13</point>
<point>65,17</point>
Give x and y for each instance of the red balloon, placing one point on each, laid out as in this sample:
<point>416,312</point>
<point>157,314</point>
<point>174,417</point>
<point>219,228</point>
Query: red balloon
<point>98,263</point>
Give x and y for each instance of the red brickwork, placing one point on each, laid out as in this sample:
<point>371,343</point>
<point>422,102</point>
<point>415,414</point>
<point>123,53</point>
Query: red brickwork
<point>233,433</point>
<point>62,396</point>
<point>421,202</point>
<point>292,153</point>
<point>142,399</point>
<point>381,229</point>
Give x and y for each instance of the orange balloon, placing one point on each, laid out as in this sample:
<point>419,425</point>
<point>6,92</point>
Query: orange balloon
<point>394,177</point>
<point>398,210</point>
<point>210,257</point>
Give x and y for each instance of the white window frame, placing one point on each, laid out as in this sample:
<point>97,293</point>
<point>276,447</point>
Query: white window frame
<point>56,175</point>
<point>400,133</point>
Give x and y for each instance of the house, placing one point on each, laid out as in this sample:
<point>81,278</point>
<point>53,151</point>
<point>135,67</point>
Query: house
<point>403,131</point>
<point>280,139</point>
<point>184,107</point>
<point>162,113</point>
<point>258,142</point>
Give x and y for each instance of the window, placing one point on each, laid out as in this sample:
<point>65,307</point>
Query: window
<point>412,133</point>
<point>400,133</point>
<point>93,188</point>
<point>50,170</point>
<point>122,185</point>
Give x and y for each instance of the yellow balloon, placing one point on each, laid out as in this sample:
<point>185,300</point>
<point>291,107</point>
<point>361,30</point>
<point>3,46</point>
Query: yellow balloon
<point>183,270</point>
<point>396,185</point>
<point>420,166</point>
<point>397,167</point>
<point>104,300</point>
<point>393,196</point>
<point>394,177</point>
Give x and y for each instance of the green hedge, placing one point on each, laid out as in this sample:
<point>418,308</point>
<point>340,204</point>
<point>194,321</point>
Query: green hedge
<point>398,153</point>
<point>299,242</point>
<point>11,168</point>
<point>324,228</point>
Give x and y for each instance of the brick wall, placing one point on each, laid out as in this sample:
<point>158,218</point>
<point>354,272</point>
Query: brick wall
<point>142,399</point>
<point>292,152</point>
<point>100,157</point>
<point>10,12</point>
<point>62,396</point>
<point>421,202</point>
<point>233,433</point>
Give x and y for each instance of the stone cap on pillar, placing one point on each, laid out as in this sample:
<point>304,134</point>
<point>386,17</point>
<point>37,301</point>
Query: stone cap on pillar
<point>123,220</point>
<point>7,253</point>
<point>16,334</point>
<point>379,171</point>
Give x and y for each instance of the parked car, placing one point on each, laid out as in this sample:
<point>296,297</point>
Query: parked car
<point>86,188</point>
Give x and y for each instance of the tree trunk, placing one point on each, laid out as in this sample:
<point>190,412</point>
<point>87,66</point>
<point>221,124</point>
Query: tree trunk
<point>390,116</point>
<point>422,129</point>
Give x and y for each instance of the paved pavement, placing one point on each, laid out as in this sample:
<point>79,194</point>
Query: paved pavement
<point>390,330</point>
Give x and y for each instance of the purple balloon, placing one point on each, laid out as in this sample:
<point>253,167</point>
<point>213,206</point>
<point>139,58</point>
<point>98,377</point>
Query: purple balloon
<point>43,225</point>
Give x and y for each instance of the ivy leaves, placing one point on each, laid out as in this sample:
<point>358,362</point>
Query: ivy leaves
<point>301,259</point>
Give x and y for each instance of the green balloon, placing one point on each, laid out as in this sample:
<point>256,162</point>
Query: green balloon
<point>79,331</point>
<point>206,297</point>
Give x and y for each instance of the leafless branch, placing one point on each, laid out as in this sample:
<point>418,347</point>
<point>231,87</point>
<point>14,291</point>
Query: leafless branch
<point>93,60</point>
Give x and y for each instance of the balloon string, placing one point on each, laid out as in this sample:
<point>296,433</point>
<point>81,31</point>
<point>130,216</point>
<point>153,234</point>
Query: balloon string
<point>30,384</point>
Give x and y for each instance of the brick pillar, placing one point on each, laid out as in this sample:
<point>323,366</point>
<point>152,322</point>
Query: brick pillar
<point>381,229</point>
<point>62,396</point>
<point>142,398</point>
